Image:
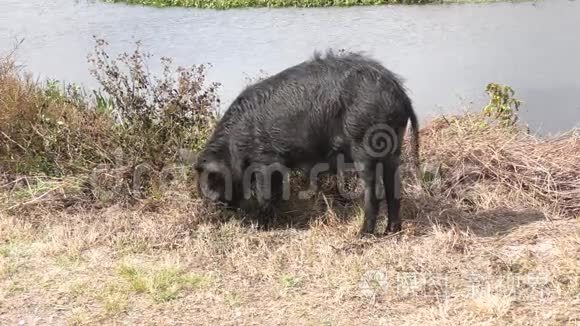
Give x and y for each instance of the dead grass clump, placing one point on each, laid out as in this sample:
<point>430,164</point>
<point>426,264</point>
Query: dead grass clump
<point>147,265</point>
<point>480,164</point>
<point>44,131</point>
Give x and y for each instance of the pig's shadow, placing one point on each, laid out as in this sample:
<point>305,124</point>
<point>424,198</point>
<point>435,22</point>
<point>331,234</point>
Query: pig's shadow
<point>420,214</point>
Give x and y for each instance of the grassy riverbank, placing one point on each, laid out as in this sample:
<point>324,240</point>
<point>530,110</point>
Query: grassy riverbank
<point>228,4</point>
<point>492,236</point>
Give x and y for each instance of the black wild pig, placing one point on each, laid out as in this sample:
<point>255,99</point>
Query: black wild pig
<point>344,107</point>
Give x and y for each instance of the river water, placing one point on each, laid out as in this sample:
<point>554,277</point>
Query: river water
<point>445,53</point>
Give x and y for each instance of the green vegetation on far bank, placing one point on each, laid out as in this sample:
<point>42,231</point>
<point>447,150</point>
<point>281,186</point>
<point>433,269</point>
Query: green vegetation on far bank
<point>229,4</point>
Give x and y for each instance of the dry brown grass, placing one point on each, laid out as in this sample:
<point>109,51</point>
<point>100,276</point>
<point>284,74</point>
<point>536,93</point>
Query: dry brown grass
<point>493,240</point>
<point>42,131</point>
<point>141,267</point>
<point>491,234</point>
<point>470,152</point>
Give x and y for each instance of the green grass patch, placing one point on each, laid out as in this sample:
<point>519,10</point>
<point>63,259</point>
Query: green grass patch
<point>114,298</point>
<point>8,269</point>
<point>289,281</point>
<point>162,285</point>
